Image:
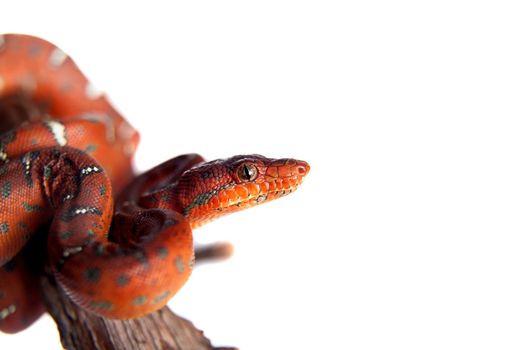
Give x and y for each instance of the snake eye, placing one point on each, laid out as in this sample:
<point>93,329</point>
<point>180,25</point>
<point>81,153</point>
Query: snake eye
<point>247,172</point>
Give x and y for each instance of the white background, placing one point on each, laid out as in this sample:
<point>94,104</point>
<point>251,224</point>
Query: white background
<point>409,231</point>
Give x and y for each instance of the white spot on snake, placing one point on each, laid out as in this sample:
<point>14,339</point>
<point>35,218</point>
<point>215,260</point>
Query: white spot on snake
<point>70,251</point>
<point>11,309</point>
<point>58,130</point>
<point>57,57</point>
<point>105,119</point>
<point>90,169</point>
<point>129,148</point>
<point>126,131</point>
<point>28,83</point>
<point>179,262</point>
<point>92,92</point>
<point>161,296</point>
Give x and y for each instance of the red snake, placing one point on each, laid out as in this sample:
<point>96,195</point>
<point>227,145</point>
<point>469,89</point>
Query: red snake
<point>64,153</point>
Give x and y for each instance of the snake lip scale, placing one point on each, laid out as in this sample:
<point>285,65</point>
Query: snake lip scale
<point>119,245</point>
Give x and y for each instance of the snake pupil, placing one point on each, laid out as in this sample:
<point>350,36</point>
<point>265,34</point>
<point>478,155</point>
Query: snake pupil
<point>247,172</point>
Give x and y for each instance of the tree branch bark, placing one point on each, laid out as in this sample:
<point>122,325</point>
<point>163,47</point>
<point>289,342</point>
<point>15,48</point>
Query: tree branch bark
<point>82,330</point>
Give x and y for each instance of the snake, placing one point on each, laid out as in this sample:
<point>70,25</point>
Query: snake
<point>119,245</point>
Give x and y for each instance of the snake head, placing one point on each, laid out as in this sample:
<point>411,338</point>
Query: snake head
<point>224,186</point>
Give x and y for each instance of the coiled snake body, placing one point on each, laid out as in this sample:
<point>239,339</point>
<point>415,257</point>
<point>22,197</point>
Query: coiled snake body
<point>64,153</point>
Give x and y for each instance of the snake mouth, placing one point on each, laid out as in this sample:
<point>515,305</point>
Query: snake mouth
<point>273,189</point>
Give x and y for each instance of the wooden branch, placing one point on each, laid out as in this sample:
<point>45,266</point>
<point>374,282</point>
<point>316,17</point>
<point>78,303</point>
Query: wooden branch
<point>82,330</point>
